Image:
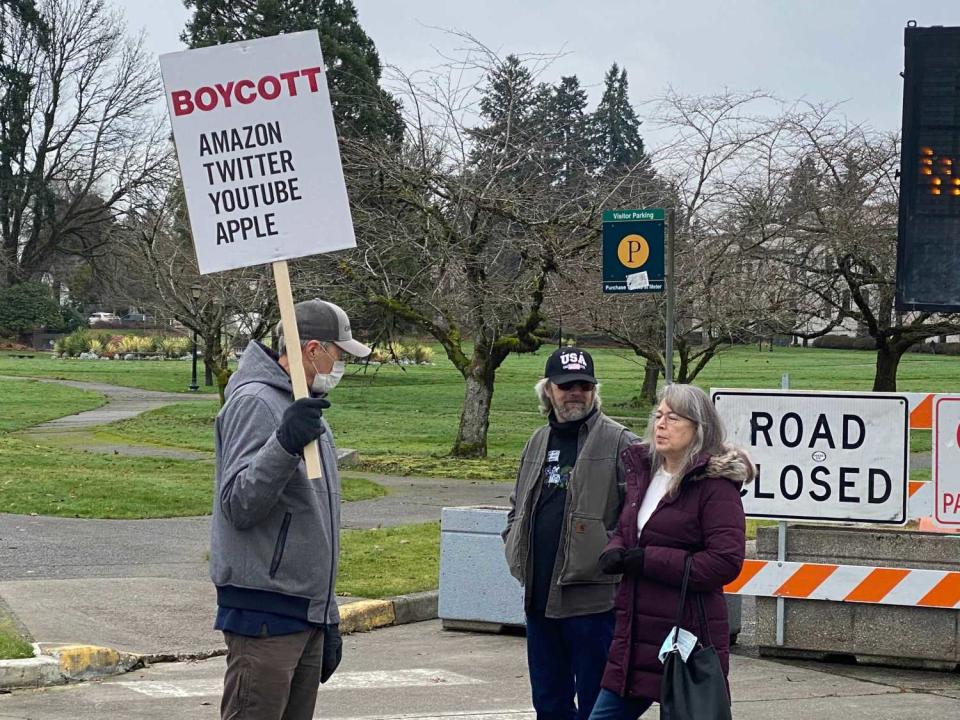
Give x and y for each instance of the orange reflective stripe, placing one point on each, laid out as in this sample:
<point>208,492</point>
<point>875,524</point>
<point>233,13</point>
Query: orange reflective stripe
<point>875,586</point>
<point>915,485</point>
<point>747,573</point>
<point>805,580</point>
<point>945,593</point>
<point>921,417</point>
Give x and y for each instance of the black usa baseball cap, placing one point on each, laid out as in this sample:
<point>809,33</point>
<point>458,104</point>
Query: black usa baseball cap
<point>321,320</point>
<point>569,364</point>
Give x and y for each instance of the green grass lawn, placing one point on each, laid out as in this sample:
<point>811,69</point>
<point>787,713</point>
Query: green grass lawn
<point>28,402</point>
<point>11,644</point>
<point>389,561</point>
<point>49,481</point>
<point>403,420</point>
<point>166,375</point>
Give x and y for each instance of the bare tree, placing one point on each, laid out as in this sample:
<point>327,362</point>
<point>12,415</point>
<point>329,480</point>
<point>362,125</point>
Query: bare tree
<point>840,233</point>
<point>78,131</point>
<point>155,245</point>
<point>460,228</point>
<point>726,292</point>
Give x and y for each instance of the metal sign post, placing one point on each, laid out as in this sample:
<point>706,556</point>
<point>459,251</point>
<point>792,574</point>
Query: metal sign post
<point>635,261</point>
<point>781,543</point>
<point>671,283</point>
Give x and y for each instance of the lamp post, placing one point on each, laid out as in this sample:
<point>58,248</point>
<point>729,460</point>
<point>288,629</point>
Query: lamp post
<point>195,291</point>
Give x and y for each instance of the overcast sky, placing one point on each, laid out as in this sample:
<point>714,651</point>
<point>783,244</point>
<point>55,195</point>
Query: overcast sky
<point>821,50</point>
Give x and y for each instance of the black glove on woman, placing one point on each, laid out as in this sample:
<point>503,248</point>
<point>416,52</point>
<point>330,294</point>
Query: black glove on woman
<point>633,561</point>
<point>611,562</point>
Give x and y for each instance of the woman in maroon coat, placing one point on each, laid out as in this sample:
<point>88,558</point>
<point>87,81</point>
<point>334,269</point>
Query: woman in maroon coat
<point>683,498</point>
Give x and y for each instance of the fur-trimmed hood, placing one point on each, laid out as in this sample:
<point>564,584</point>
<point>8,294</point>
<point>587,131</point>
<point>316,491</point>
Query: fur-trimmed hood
<point>734,464</point>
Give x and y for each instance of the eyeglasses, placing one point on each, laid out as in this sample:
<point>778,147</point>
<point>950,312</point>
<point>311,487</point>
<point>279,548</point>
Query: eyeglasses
<point>672,418</point>
<point>582,385</point>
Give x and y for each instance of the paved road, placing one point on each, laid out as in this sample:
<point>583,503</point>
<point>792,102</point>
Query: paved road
<point>422,672</point>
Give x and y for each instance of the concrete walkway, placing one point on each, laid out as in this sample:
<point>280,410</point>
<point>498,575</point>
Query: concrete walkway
<point>76,432</point>
<point>142,585</point>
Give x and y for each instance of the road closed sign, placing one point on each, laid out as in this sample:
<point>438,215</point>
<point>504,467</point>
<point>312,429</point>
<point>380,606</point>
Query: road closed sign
<point>839,457</point>
<point>946,460</point>
<point>258,151</point>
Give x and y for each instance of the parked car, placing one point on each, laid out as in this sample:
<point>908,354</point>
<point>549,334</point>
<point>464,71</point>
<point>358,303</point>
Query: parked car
<point>103,318</point>
<point>136,317</point>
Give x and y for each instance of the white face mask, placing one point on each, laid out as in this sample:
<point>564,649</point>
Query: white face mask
<point>325,382</point>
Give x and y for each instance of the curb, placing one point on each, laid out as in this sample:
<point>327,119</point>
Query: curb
<point>61,664</point>
<point>56,664</point>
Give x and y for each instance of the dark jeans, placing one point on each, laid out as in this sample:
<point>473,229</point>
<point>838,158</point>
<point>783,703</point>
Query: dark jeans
<point>566,657</point>
<point>272,678</point>
<point>611,706</point>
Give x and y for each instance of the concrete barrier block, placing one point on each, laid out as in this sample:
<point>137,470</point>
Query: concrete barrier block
<point>475,584</point>
<point>880,634</point>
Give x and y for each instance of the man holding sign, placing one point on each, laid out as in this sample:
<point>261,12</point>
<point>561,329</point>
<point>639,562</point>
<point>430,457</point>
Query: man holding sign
<point>275,532</point>
<point>263,183</point>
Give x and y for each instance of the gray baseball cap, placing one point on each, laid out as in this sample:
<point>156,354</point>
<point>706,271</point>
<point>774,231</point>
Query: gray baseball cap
<point>321,320</point>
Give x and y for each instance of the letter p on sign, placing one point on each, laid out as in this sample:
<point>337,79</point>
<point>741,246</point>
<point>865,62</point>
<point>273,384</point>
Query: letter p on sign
<point>946,460</point>
<point>633,251</point>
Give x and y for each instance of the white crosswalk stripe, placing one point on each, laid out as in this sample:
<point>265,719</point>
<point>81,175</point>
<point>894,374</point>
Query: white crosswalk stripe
<point>415,677</point>
<point>466,715</point>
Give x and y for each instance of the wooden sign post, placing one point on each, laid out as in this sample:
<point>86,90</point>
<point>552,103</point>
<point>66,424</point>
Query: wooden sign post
<point>258,153</point>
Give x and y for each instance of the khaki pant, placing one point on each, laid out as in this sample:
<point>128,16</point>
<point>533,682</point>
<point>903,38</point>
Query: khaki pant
<point>272,678</point>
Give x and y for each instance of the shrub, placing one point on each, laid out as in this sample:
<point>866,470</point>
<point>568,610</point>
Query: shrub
<point>845,342</point>
<point>396,351</point>
<point>129,344</point>
<point>75,343</point>
<point>95,346</point>
<point>422,355</point>
<point>173,347</point>
<point>950,348</point>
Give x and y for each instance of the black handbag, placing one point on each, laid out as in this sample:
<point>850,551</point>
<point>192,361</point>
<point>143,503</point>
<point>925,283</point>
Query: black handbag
<point>695,689</point>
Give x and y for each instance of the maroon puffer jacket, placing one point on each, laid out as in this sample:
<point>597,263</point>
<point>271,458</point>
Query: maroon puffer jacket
<point>704,518</point>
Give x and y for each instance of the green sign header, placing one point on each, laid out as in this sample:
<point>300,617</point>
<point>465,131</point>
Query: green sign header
<point>633,215</point>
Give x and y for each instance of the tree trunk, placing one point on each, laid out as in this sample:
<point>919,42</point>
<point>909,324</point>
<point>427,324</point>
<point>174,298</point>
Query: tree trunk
<point>223,376</point>
<point>211,355</point>
<point>475,419</point>
<point>888,360</point>
<point>651,375</point>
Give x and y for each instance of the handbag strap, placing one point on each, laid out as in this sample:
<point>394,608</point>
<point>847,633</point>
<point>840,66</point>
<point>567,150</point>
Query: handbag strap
<point>683,597</point>
<point>704,626</point>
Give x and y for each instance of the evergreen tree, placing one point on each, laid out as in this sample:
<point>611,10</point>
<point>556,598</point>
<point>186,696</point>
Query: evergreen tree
<point>507,107</point>
<point>565,126</point>
<point>361,108</point>
<point>616,138</point>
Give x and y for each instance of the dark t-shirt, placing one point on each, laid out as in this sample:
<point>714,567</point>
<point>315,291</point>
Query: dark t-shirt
<point>549,515</point>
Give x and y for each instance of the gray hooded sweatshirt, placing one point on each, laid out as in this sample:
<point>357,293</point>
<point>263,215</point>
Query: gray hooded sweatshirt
<point>275,534</point>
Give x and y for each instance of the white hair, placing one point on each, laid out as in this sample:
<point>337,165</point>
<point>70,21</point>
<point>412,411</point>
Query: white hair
<point>545,404</point>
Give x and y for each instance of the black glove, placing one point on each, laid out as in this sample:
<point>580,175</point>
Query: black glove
<point>301,424</point>
<point>332,651</point>
<point>633,561</point>
<point>611,562</point>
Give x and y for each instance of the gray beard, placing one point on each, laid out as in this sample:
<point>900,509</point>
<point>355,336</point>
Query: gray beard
<point>564,415</point>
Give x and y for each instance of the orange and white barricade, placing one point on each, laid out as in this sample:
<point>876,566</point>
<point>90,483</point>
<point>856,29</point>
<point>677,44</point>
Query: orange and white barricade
<point>848,583</point>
